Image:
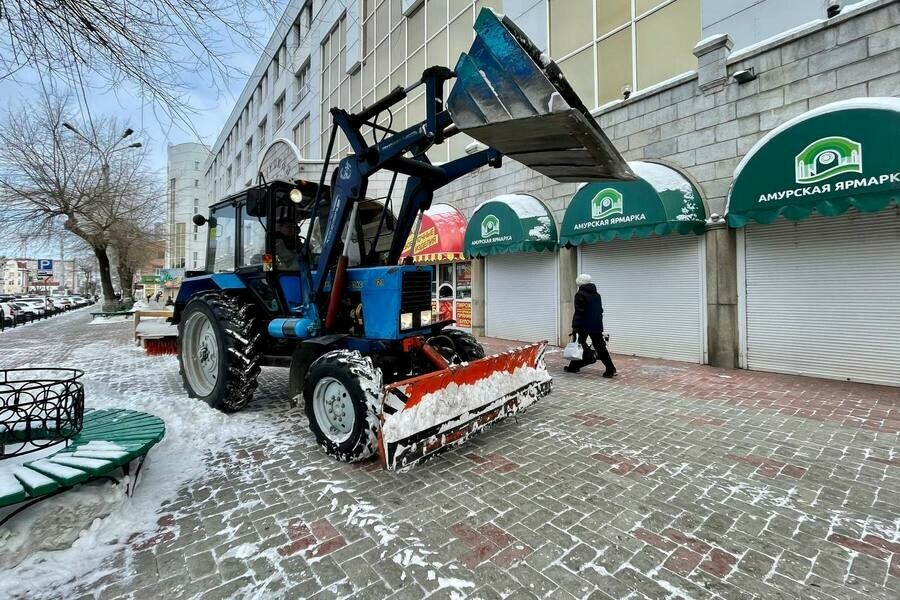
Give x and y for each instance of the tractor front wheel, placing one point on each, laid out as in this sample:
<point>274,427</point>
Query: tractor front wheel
<point>218,350</point>
<point>342,396</point>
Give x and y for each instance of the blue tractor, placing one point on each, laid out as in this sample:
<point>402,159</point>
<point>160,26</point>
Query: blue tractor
<point>307,276</point>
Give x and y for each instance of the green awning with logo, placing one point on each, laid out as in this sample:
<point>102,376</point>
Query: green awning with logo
<point>826,160</point>
<point>660,201</point>
<point>510,223</point>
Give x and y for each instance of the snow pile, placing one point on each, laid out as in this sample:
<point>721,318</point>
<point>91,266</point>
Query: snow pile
<point>455,400</point>
<point>541,232</point>
<point>108,320</point>
<point>58,522</point>
<point>661,177</point>
<point>140,305</point>
<point>156,327</point>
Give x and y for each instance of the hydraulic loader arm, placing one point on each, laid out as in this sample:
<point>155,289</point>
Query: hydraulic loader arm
<point>350,178</point>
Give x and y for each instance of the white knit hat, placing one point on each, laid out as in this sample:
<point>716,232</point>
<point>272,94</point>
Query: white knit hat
<point>582,279</point>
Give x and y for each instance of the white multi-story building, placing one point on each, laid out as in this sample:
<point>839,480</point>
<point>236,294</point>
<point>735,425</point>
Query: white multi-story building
<point>347,53</point>
<point>186,196</point>
<point>15,276</point>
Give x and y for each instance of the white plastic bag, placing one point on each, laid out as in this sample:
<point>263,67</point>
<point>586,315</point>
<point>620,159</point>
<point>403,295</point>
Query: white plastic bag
<point>573,351</point>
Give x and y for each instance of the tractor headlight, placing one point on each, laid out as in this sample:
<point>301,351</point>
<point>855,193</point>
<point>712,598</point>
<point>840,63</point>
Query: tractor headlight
<point>425,317</point>
<point>406,321</point>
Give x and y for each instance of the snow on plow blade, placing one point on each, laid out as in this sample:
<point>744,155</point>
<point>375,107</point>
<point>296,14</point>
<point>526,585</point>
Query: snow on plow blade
<point>432,412</point>
<point>512,97</point>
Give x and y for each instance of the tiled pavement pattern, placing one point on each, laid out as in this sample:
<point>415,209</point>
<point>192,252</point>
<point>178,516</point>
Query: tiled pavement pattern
<point>671,480</point>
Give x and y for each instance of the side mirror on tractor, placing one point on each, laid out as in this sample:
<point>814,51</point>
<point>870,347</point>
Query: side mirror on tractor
<point>256,202</point>
<point>199,220</point>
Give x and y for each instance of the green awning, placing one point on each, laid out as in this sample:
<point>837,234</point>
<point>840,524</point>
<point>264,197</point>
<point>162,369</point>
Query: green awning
<point>510,223</point>
<point>826,160</point>
<point>660,201</point>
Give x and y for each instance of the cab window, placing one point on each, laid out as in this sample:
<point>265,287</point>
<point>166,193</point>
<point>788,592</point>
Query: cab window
<point>222,231</point>
<point>253,236</point>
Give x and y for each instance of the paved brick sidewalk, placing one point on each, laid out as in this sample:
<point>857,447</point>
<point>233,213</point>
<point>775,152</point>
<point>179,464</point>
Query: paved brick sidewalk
<point>671,480</point>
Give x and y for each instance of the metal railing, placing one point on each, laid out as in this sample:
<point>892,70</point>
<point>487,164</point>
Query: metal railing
<point>39,408</point>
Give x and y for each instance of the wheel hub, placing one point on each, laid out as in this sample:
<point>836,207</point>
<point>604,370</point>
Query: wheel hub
<point>200,355</point>
<point>333,409</point>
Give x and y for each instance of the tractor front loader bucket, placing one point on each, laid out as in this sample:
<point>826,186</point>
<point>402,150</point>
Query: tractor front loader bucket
<point>429,413</point>
<point>512,97</point>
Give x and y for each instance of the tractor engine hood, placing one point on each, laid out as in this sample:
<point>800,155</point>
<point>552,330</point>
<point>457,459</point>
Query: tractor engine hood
<point>512,97</point>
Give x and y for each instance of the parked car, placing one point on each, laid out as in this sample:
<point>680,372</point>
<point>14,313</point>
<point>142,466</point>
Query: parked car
<point>39,304</point>
<point>64,302</point>
<point>9,314</point>
<point>27,312</point>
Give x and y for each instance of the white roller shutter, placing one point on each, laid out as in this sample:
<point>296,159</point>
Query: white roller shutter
<point>822,297</point>
<point>522,301</point>
<point>653,295</point>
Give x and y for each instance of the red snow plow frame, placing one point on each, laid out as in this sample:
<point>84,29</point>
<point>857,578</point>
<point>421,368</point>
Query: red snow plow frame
<point>404,395</point>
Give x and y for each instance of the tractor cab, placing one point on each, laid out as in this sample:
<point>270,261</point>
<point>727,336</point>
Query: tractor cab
<point>264,228</point>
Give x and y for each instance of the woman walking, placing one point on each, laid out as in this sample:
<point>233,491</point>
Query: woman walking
<point>587,322</point>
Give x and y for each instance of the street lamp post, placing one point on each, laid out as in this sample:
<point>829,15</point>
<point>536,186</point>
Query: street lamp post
<point>104,165</point>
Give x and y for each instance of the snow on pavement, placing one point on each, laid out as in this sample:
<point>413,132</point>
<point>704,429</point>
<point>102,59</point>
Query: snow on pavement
<point>122,376</point>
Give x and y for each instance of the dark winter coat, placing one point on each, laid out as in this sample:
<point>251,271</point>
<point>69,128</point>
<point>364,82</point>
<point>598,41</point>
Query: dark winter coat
<point>588,315</point>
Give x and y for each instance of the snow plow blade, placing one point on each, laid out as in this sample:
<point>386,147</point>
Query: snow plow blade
<point>511,96</point>
<point>429,413</point>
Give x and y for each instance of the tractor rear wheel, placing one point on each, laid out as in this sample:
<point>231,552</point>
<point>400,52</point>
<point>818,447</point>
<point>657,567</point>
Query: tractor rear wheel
<point>219,350</point>
<point>465,345</point>
<point>342,396</point>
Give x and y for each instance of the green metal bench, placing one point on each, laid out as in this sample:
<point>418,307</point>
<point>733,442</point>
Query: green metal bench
<point>109,439</point>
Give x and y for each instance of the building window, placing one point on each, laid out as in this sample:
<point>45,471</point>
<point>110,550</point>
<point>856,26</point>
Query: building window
<point>196,205</point>
<point>301,82</point>
<point>196,183</point>
<point>262,132</point>
<point>335,81</point>
<point>606,47</point>
<point>303,23</point>
<point>397,48</point>
<point>301,137</point>
<point>180,238</point>
<point>279,111</point>
<point>196,165</point>
<point>194,258</point>
<point>276,64</point>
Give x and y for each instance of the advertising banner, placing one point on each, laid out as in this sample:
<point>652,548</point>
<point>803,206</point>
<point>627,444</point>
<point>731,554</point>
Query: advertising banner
<point>171,278</point>
<point>445,310</point>
<point>464,314</point>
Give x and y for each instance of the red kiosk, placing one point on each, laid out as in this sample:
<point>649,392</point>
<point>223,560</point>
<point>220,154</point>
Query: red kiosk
<point>439,243</point>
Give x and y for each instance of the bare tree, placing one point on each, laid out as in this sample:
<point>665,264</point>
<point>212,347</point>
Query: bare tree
<point>135,244</point>
<point>50,177</point>
<point>160,48</point>
<point>86,269</point>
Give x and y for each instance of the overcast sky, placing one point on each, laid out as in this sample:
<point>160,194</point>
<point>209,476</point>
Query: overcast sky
<point>151,125</point>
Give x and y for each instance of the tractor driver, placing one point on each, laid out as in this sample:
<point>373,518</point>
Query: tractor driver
<point>287,244</point>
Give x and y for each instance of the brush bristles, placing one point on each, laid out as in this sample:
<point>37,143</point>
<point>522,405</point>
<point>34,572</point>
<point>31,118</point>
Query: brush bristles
<point>160,346</point>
